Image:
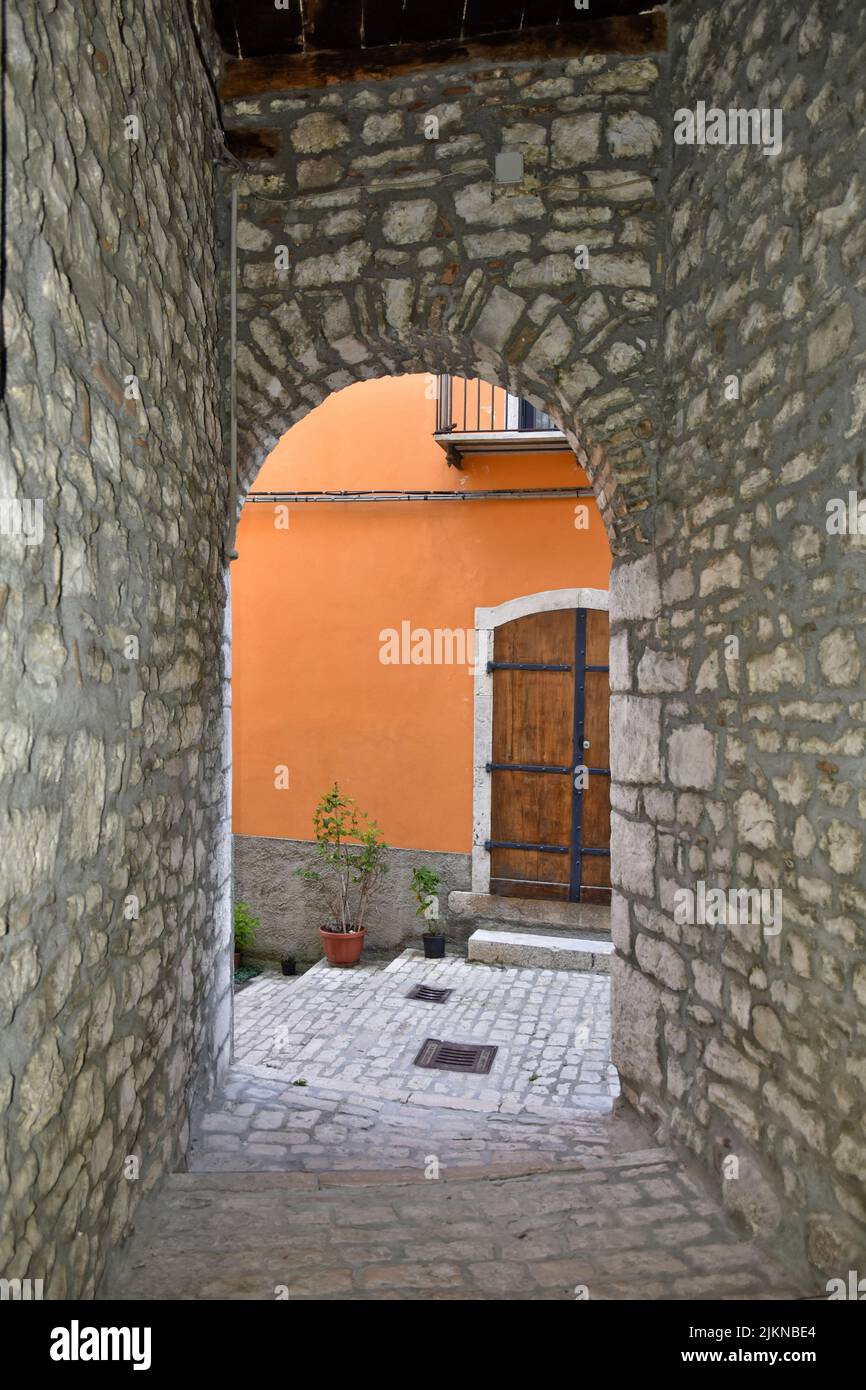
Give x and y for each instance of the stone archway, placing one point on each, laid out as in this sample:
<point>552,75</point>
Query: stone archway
<point>374,238</point>
<point>259,399</point>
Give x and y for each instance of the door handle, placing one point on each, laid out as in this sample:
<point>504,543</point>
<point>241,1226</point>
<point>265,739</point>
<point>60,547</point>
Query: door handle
<point>586,743</point>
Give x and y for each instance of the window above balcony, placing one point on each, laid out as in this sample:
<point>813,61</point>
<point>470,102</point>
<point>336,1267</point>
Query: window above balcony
<point>475,417</point>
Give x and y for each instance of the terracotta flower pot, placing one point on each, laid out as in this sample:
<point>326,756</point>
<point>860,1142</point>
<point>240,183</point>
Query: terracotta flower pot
<point>342,948</point>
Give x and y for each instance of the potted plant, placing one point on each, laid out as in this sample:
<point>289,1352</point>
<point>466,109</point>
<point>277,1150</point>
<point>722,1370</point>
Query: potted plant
<point>424,885</point>
<point>287,965</point>
<point>246,926</point>
<point>352,853</point>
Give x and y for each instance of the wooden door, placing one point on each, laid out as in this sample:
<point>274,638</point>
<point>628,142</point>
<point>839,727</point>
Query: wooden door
<point>550,828</point>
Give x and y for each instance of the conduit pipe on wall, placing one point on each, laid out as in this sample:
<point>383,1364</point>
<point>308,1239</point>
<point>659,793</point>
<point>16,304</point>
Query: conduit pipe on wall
<point>494,494</point>
<point>233,378</point>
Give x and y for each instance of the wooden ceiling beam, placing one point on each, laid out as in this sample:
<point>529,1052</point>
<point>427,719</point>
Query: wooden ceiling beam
<point>626,34</point>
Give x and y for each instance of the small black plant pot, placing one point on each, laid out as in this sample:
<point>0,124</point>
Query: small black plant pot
<point>434,946</point>
<point>287,965</point>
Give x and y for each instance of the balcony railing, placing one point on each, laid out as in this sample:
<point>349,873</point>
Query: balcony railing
<point>477,417</point>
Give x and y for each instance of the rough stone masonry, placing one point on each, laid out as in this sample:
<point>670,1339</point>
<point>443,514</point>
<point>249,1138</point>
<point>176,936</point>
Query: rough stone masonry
<point>115,983</point>
<point>366,247</point>
<point>742,765</point>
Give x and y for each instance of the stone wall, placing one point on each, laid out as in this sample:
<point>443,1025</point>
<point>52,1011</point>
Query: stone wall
<point>732,767</point>
<point>266,877</point>
<point>373,239</point>
<point>744,768</point>
<point>115,1000</point>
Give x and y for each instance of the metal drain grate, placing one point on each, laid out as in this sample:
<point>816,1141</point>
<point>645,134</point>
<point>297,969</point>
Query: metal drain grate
<point>429,994</point>
<point>449,1056</point>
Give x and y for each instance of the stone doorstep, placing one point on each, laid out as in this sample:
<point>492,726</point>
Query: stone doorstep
<point>543,952</point>
<point>587,917</point>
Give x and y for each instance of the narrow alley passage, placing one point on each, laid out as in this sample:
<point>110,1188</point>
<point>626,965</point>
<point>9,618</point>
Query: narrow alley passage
<point>329,1166</point>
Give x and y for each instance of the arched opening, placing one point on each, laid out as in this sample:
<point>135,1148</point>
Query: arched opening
<point>300,342</point>
<point>292,363</point>
<point>341,571</point>
<point>377,453</point>
<point>399,677</point>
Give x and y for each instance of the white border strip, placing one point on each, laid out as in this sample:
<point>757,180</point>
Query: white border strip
<point>486,620</point>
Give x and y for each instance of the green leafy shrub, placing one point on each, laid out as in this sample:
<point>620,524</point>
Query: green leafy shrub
<point>425,884</point>
<point>352,852</point>
<point>246,926</point>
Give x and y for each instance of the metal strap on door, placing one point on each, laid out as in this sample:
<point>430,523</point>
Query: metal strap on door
<point>580,746</point>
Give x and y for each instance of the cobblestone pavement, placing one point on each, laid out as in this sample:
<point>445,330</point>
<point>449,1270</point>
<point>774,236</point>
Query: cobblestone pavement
<point>351,1036</point>
<point>372,1182</point>
<point>356,1031</point>
<point>627,1226</point>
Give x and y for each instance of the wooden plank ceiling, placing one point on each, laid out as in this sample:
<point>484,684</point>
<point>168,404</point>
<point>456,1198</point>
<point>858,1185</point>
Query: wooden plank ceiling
<point>316,43</point>
<point>257,29</point>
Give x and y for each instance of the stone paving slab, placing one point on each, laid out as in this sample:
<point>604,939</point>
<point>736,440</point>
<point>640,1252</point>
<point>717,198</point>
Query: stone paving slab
<point>627,1229</point>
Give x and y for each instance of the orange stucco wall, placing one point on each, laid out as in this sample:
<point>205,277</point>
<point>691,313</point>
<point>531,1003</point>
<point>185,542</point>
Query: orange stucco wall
<point>309,604</point>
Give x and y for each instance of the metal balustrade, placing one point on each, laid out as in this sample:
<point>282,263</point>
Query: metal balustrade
<point>476,416</point>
